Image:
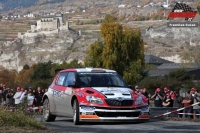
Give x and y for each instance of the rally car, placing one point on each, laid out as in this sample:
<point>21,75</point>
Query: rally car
<point>93,94</point>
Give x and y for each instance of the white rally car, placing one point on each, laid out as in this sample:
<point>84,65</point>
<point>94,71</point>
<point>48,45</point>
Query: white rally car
<point>93,94</point>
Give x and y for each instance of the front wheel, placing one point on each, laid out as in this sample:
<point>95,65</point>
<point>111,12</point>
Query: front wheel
<point>76,114</point>
<point>46,112</point>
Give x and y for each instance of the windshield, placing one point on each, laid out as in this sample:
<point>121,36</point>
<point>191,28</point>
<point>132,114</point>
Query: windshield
<point>100,80</point>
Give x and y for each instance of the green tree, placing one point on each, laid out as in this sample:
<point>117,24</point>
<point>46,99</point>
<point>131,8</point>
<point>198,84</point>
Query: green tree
<point>42,75</point>
<point>122,49</point>
<point>198,9</point>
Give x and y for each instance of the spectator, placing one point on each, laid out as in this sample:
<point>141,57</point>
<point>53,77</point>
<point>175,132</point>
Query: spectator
<point>196,97</point>
<point>187,101</point>
<point>10,96</point>
<point>137,89</point>
<point>145,93</point>
<point>30,99</point>
<point>158,97</point>
<point>38,97</point>
<point>6,96</point>
<point>30,89</point>
<point>17,96</point>
<point>24,94</point>
<point>168,101</point>
<point>46,90</point>
<point>1,86</point>
<point>177,102</point>
<point>1,97</point>
<point>166,91</point>
<point>172,93</point>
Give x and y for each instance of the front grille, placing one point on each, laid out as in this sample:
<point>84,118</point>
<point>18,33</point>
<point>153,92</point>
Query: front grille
<point>117,114</point>
<point>117,102</point>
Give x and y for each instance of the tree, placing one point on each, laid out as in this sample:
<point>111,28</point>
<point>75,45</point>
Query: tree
<point>198,9</point>
<point>7,77</point>
<point>122,49</point>
<point>23,78</point>
<point>41,75</point>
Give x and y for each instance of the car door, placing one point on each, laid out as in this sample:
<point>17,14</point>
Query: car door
<point>70,80</point>
<point>58,93</point>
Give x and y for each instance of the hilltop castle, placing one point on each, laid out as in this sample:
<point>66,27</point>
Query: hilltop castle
<point>49,23</point>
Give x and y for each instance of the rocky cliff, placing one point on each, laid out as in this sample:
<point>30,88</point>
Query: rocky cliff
<point>64,46</point>
<point>168,43</point>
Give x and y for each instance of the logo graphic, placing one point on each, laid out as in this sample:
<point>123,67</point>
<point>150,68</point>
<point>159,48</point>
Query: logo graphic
<point>120,99</point>
<point>181,10</point>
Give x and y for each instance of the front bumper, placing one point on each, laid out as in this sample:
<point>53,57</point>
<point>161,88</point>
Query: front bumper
<point>90,113</point>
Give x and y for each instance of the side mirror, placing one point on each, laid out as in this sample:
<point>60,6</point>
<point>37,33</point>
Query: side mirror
<point>130,86</point>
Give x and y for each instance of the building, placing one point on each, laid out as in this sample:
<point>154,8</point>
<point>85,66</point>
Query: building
<point>156,61</point>
<point>166,68</point>
<point>48,23</point>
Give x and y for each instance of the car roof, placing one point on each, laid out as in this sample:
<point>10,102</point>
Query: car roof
<point>87,70</point>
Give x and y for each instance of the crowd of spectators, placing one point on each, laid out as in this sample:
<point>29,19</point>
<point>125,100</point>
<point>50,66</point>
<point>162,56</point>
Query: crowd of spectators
<point>169,98</point>
<point>16,97</point>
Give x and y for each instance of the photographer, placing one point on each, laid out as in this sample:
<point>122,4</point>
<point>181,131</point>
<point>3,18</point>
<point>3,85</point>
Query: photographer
<point>158,98</point>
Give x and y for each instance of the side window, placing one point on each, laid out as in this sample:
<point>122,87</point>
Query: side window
<point>61,78</point>
<point>70,79</point>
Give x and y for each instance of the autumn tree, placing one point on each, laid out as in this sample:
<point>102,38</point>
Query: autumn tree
<point>8,77</point>
<point>23,78</point>
<point>120,48</point>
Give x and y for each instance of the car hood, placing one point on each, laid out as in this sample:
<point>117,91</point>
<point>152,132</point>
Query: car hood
<point>114,92</point>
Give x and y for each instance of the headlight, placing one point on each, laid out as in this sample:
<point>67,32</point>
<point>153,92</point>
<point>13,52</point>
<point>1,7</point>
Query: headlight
<point>94,100</point>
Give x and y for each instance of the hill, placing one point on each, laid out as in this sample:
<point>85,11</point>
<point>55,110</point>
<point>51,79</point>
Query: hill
<point>6,5</point>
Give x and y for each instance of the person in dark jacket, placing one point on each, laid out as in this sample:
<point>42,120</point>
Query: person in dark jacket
<point>11,99</point>
<point>167,101</point>
<point>158,98</point>
<point>38,97</point>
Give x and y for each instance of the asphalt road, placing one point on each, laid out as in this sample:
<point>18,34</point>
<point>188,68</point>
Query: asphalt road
<point>65,125</point>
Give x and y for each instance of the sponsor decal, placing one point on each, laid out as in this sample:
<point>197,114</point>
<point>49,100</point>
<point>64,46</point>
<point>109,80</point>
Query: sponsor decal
<point>80,94</point>
<point>89,117</point>
<point>57,94</point>
<point>138,100</point>
<point>68,91</point>
<point>87,108</point>
<point>144,108</point>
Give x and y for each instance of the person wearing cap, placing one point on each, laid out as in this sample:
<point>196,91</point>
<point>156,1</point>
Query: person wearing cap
<point>137,89</point>
<point>158,98</point>
<point>168,101</point>
<point>187,101</point>
<point>196,98</point>
<point>166,92</point>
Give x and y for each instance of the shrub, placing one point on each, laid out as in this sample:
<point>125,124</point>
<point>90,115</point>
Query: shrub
<point>18,119</point>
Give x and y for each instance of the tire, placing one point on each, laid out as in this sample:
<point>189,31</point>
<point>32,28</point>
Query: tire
<point>76,113</point>
<point>47,116</point>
